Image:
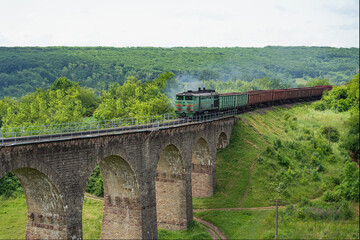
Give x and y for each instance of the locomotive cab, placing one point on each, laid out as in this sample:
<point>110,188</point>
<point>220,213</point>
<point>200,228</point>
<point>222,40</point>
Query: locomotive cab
<point>192,103</point>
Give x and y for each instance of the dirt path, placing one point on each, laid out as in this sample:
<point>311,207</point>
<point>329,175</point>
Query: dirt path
<point>93,197</point>
<point>213,230</point>
<point>236,209</point>
<point>249,182</point>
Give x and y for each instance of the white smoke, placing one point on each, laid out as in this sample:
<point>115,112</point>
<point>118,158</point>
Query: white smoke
<point>181,84</point>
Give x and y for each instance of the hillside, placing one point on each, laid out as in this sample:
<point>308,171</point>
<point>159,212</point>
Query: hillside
<point>24,69</point>
<point>279,153</point>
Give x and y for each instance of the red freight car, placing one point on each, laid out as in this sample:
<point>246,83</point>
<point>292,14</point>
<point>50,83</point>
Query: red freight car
<point>317,91</point>
<point>278,95</point>
<point>291,93</point>
<point>304,93</point>
<point>328,87</point>
<point>259,97</point>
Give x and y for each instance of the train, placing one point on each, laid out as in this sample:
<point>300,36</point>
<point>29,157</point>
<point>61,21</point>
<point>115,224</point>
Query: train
<point>207,101</point>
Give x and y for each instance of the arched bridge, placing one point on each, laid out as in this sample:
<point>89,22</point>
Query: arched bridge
<point>150,176</point>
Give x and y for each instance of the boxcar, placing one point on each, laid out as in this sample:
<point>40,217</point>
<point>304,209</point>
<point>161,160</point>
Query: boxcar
<point>259,97</point>
<point>317,91</point>
<point>328,87</point>
<point>304,93</point>
<point>232,100</point>
<point>278,95</point>
<point>291,93</point>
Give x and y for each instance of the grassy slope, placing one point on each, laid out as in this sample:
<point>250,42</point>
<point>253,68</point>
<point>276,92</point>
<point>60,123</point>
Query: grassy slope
<point>251,136</point>
<point>261,225</point>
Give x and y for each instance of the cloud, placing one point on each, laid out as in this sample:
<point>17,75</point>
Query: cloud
<point>226,23</point>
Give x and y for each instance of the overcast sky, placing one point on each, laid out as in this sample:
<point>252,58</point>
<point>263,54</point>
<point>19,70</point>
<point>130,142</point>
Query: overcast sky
<point>170,23</point>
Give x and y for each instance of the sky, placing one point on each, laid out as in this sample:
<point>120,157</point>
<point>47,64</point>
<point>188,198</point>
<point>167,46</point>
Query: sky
<point>179,23</point>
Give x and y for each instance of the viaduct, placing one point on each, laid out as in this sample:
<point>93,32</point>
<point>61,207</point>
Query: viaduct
<point>149,176</point>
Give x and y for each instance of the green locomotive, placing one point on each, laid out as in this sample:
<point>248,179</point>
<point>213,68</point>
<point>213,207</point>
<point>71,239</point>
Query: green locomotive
<point>203,102</point>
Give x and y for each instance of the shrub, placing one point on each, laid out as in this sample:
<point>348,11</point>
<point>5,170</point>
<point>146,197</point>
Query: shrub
<point>270,151</point>
<point>330,196</point>
<point>10,185</point>
<point>277,144</point>
<point>283,161</point>
<point>315,176</point>
<point>319,106</point>
<point>334,134</point>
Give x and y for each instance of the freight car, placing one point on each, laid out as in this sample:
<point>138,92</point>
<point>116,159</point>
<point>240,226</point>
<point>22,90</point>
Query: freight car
<point>204,101</point>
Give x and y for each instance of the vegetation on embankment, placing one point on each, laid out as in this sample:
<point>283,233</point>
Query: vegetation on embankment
<point>286,154</point>
<point>315,223</point>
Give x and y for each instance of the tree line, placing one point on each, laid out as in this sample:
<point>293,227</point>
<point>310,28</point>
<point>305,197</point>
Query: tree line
<point>24,69</point>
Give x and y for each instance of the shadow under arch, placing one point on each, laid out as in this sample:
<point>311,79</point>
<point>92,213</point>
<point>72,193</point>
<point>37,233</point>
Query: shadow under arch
<point>45,208</point>
<point>122,209</point>
<point>222,141</point>
<point>170,188</point>
<point>201,170</point>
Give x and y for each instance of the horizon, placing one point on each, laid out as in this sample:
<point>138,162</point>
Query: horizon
<point>63,46</point>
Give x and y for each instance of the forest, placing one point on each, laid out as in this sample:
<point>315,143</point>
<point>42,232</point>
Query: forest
<point>25,69</point>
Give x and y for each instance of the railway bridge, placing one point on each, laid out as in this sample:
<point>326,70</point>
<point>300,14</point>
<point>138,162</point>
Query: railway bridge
<point>150,176</point>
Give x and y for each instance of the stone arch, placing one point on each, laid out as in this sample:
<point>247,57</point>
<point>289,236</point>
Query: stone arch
<point>46,218</point>
<point>201,170</point>
<point>122,211</point>
<point>222,141</point>
<point>170,188</point>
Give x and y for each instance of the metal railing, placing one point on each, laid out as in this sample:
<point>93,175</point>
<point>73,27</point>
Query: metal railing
<point>29,134</point>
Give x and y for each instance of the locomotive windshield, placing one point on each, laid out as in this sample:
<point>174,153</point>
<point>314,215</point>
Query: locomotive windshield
<point>179,98</point>
<point>188,97</point>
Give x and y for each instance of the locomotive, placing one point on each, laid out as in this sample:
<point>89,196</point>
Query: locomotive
<point>206,101</point>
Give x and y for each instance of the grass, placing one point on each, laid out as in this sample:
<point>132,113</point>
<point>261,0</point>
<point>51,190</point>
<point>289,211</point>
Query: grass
<point>195,231</point>
<point>259,138</point>
<point>261,225</point>
<point>92,218</point>
<point>12,218</point>
<point>13,221</point>
<point>251,137</point>
<point>300,81</point>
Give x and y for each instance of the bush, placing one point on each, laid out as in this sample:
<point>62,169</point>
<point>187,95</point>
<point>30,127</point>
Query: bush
<point>270,151</point>
<point>10,185</point>
<point>330,196</point>
<point>320,106</point>
<point>283,161</point>
<point>95,185</point>
<point>334,134</point>
<point>277,144</point>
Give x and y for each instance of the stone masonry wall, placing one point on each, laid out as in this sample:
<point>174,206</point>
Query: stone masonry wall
<point>171,190</point>
<point>45,213</point>
<point>201,170</point>
<point>122,209</point>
